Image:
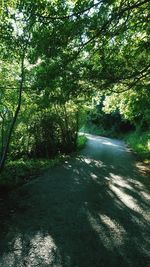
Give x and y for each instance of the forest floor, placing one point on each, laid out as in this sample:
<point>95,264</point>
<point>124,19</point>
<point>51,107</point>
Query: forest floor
<point>90,211</point>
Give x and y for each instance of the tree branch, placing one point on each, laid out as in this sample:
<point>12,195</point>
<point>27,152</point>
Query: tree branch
<point>75,14</point>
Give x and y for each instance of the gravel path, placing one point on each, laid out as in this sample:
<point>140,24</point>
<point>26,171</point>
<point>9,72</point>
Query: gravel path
<point>92,211</point>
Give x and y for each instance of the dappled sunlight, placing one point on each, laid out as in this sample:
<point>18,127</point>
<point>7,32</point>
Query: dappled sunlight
<point>135,183</point>
<point>128,200</point>
<point>120,181</point>
<point>117,231</point>
<point>110,233</point>
<point>117,184</point>
<point>94,176</point>
<point>31,251</point>
<point>143,168</point>
<point>97,163</point>
<point>18,245</point>
<point>42,247</point>
<point>90,211</point>
<point>145,195</point>
<point>88,161</point>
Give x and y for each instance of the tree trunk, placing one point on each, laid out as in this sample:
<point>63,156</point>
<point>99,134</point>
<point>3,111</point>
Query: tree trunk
<point>5,149</point>
<point>2,136</point>
<point>77,127</point>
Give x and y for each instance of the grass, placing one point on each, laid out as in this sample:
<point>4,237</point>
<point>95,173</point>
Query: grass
<point>21,171</point>
<point>140,143</point>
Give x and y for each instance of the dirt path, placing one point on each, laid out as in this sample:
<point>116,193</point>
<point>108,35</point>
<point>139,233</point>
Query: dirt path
<point>93,211</point>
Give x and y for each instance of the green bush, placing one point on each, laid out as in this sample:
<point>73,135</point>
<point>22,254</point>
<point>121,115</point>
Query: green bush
<point>81,141</point>
<point>140,143</point>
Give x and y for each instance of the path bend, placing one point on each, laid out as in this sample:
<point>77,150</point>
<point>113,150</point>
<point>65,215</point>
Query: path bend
<point>91,211</point>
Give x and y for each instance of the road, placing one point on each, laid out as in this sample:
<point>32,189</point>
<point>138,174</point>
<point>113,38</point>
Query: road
<point>90,211</point>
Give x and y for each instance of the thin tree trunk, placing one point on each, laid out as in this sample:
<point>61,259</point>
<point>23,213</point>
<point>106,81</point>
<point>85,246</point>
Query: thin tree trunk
<point>77,127</point>
<point>2,136</point>
<point>5,150</point>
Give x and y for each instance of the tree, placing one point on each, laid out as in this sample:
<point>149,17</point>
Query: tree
<point>132,105</point>
<point>17,38</point>
<point>68,51</point>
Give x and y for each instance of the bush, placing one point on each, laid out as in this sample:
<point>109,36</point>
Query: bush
<point>112,125</point>
<point>140,143</point>
<point>81,141</point>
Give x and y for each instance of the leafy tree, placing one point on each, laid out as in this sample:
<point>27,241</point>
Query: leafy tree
<point>62,53</point>
<point>132,105</point>
<point>17,39</point>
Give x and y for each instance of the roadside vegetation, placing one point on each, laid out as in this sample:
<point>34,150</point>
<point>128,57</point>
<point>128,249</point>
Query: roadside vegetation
<point>81,141</point>
<point>140,143</point>
<point>18,172</point>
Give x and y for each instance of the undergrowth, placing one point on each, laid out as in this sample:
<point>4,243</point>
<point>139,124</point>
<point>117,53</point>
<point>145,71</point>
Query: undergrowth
<point>140,143</point>
<point>81,141</point>
<point>20,171</point>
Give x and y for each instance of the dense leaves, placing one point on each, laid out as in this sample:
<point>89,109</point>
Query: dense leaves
<point>55,56</point>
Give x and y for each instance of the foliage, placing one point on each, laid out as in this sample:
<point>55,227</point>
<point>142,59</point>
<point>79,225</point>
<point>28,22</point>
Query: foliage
<point>140,143</point>
<point>81,141</point>
<point>101,123</point>
<point>21,171</point>
<point>92,129</point>
<point>56,56</point>
<point>132,105</point>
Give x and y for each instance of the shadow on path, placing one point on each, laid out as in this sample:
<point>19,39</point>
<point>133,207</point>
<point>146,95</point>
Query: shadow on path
<point>93,211</point>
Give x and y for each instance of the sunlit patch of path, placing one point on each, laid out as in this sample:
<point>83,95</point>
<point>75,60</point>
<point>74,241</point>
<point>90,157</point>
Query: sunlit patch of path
<point>92,211</point>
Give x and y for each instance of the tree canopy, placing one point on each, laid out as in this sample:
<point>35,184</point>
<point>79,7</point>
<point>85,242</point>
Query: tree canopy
<point>56,55</point>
